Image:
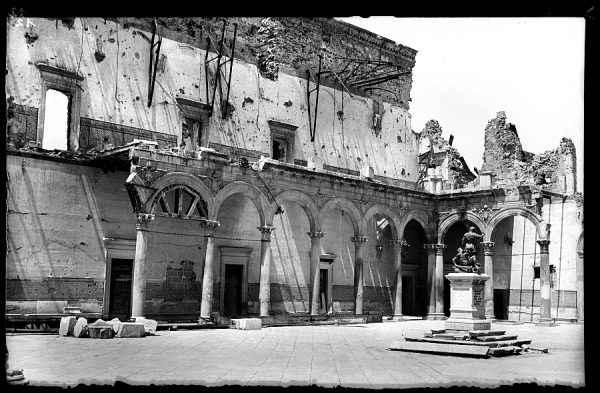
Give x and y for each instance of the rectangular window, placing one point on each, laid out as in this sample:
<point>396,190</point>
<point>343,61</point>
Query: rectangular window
<point>56,121</point>
<point>283,137</point>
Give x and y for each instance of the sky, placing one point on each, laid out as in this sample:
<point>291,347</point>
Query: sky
<point>468,69</point>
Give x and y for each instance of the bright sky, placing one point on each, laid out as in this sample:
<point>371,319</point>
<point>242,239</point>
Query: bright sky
<point>467,69</point>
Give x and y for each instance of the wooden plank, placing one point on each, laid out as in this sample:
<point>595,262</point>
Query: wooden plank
<point>443,349</point>
<point>496,338</point>
<point>479,333</point>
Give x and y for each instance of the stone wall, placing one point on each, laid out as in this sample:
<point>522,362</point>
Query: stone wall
<point>553,170</point>
<point>115,87</point>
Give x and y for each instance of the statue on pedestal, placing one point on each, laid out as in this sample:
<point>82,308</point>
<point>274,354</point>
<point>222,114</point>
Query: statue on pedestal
<point>465,260</point>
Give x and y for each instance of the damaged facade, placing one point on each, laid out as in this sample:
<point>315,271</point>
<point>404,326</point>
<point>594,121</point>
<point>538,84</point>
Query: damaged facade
<point>257,166</point>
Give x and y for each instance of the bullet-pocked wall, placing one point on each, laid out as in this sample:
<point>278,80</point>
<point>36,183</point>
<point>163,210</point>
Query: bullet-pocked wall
<point>114,61</point>
<point>58,216</point>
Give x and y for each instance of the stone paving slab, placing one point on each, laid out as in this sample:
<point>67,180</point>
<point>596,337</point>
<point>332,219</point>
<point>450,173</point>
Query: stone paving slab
<point>345,355</point>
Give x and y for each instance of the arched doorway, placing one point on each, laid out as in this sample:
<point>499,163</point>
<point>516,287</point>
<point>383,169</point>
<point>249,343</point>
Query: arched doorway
<point>414,270</point>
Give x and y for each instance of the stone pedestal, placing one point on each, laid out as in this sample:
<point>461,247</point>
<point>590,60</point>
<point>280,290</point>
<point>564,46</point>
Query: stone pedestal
<point>467,307</point>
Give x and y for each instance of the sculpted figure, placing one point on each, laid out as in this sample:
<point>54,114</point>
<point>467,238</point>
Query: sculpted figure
<point>465,260</point>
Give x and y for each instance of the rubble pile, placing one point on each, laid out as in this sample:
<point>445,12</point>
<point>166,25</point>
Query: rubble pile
<point>553,170</point>
<point>475,343</point>
<point>79,327</point>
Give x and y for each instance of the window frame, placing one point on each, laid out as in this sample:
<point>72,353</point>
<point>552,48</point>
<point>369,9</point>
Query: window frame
<point>196,111</point>
<point>286,132</point>
<point>66,82</point>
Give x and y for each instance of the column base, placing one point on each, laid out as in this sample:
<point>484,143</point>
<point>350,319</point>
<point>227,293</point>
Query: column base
<point>436,317</point>
<point>545,322</point>
<point>398,318</point>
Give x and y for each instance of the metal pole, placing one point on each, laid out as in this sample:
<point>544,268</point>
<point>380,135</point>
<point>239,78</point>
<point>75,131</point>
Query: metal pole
<point>312,137</point>
<point>150,65</point>
<point>230,72</point>
<point>212,104</point>
<point>154,73</point>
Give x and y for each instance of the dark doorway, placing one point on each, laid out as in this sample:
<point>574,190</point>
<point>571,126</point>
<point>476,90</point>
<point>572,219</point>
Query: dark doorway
<point>323,291</point>
<point>233,290</point>
<point>408,295</point>
<point>120,288</point>
<point>501,303</point>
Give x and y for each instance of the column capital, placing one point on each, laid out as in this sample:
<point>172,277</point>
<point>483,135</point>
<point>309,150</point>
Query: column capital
<point>400,245</point>
<point>142,220</point>
<point>359,240</point>
<point>210,226</point>
<point>315,235</point>
<point>488,248</point>
<point>265,232</point>
<point>438,248</point>
<point>544,244</point>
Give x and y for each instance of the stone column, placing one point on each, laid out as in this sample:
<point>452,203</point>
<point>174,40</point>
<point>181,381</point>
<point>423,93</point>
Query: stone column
<point>430,274</point>
<point>488,269</point>
<point>545,301</point>
<point>138,296</point>
<point>264,295</point>
<point>210,227</point>
<point>399,250</point>
<point>315,261</point>
<point>435,280</point>
<point>359,241</point>
<point>439,280</point>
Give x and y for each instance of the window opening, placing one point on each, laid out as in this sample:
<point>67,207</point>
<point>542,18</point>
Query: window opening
<point>56,121</point>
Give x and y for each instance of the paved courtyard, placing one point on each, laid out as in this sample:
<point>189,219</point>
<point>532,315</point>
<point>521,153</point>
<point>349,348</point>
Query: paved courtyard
<point>346,355</point>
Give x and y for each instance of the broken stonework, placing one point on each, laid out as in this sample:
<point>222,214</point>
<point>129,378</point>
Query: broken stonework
<point>247,323</point>
<point>131,330</point>
<point>150,325</point>
<point>553,170</point>
<point>80,329</point>
<point>66,326</point>
<point>116,323</point>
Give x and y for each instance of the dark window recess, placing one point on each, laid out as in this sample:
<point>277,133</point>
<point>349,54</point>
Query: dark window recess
<point>120,288</point>
<point>280,150</point>
<point>536,272</point>
<point>191,134</point>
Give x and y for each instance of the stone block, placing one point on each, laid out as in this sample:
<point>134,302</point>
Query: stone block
<point>80,329</point>
<point>246,323</point>
<point>100,331</point>
<point>367,171</point>
<point>116,323</point>
<point>67,324</point>
<point>444,349</point>
<point>131,330</point>
<point>150,325</point>
<point>468,324</point>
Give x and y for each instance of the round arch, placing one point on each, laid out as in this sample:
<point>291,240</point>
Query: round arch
<point>517,211</point>
<point>453,218</point>
<point>302,199</point>
<point>239,187</point>
<point>385,211</point>
<point>184,179</point>
<point>419,216</point>
<point>347,206</point>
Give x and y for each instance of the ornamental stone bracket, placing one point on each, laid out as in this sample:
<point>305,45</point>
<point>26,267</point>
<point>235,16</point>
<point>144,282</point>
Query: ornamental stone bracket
<point>485,212</point>
<point>265,232</point>
<point>143,220</point>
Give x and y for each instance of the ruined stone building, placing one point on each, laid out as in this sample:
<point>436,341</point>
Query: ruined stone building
<point>195,168</point>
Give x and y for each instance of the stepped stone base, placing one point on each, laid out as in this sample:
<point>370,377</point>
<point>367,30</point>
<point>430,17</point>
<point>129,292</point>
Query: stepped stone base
<point>468,324</point>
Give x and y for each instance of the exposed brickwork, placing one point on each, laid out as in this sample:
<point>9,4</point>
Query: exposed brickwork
<point>54,289</point>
